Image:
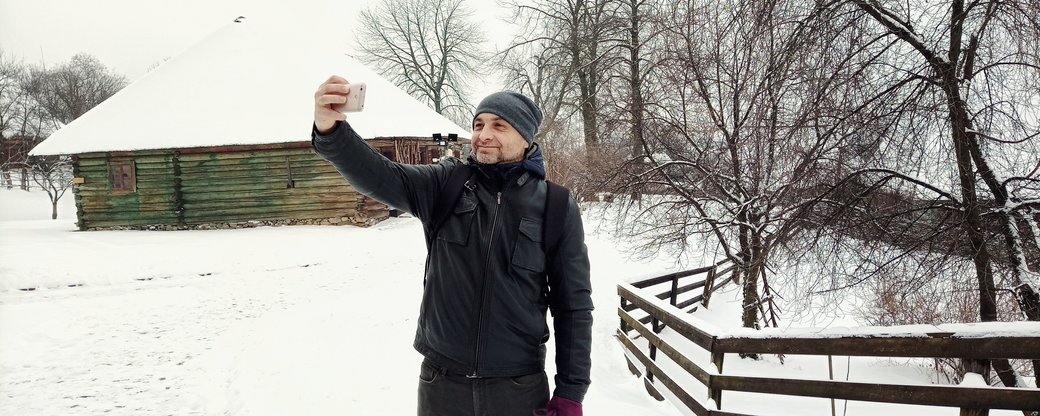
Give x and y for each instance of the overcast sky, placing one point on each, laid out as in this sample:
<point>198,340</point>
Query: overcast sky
<point>132,35</point>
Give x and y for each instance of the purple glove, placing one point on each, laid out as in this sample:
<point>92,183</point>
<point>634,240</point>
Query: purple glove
<point>558,406</point>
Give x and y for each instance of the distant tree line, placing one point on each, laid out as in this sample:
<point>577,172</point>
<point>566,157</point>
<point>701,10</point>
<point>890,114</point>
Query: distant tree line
<point>35,101</point>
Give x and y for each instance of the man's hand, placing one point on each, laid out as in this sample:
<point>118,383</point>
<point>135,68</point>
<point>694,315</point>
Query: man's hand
<point>558,406</point>
<point>328,103</point>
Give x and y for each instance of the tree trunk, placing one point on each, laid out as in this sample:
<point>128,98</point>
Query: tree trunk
<point>751,276</point>
<point>973,226</point>
<point>635,86</point>
<point>588,111</point>
<point>54,209</point>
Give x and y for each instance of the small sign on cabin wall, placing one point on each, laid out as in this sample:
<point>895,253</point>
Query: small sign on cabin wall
<point>79,181</point>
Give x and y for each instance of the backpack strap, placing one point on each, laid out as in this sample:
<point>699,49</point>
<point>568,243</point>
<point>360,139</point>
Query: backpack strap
<point>446,199</point>
<point>556,199</point>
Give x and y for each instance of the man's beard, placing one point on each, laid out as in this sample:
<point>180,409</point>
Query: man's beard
<point>494,158</point>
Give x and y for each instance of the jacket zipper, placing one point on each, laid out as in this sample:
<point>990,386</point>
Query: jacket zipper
<point>484,286</point>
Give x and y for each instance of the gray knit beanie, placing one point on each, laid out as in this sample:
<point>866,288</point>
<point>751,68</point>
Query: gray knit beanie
<point>516,109</point>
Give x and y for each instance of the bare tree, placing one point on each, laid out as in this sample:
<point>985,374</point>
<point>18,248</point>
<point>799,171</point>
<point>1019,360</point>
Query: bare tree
<point>430,48</point>
<point>23,123</point>
<point>11,73</point>
<point>982,59</point>
<point>10,95</point>
<point>643,24</point>
<point>763,100</point>
<point>542,73</point>
<point>585,32</point>
<point>73,88</point>
<point>54,175</point>
<point>51,98</point>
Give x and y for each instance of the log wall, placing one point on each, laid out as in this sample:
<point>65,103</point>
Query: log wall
<point>197,188</point>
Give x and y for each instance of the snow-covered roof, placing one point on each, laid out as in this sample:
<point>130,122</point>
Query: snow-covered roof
<point>248,83</point>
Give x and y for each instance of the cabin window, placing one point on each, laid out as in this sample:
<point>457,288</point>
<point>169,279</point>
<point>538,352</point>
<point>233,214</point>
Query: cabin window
<point>389,153</point>
<point>434,156</point>
<point>123,175</point>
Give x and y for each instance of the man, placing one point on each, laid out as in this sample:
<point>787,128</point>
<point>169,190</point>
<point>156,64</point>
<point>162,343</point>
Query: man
<point>482,322</point>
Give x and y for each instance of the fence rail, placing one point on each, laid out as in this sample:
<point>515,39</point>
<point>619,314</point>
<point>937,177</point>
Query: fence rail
<point>938,344</point>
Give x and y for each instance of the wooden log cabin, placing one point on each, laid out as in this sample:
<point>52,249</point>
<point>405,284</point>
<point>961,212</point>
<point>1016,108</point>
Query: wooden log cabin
<point>218,137</point>
<point>228,186</point>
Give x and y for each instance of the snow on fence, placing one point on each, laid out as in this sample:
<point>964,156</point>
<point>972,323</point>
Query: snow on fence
<point>980,341</point>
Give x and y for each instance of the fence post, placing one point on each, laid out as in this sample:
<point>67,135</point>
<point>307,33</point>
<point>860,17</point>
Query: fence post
<point>978,367</point>
<point>830,372</point>
<point>653,357</point>
<point>624,325</point>
<point>715,393</point>
<point>709,282</point>
<point>675,288</point>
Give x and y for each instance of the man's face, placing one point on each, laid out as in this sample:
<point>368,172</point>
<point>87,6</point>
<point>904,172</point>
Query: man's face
<point>496,141</point>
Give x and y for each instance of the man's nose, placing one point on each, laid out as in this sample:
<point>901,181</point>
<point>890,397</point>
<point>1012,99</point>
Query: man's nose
<point>485,135</point>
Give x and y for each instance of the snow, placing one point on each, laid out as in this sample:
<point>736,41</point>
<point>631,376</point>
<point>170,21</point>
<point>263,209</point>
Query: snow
<point>297,320</point>
<point>248,83</point>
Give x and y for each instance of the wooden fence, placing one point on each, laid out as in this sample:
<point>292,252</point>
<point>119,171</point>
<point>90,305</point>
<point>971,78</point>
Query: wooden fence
<point>974,401</point>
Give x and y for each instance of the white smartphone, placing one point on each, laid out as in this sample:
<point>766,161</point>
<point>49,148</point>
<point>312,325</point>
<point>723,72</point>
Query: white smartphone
<point>356,98</point>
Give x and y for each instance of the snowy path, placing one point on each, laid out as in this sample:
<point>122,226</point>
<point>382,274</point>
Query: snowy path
<point>267,336</point>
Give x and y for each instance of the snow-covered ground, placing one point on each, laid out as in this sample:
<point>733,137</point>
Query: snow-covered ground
<point>286,320</point>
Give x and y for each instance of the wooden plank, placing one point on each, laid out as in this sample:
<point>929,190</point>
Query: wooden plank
<point>864,346</point>
<point>692,333</point>
<point>249,161</point>
<point>167,202</point>
<point>145,212</point>
<point>692,404</point>
<point>194,157</point>
<point>153,165</point>
<point>266,193</point>
<point>296,170</point>
<point>320,214</point>
<point>156,180</point>
<point>279,179</point>
<point>107,193</point>
<point>688,302</point>
<point>94,176</point>
<point>130,211</point>
<point>661,279</point>
<point>316,199</point>
<point>128,219</point>
<point>698,298</point>
<point>252,168</point>
<point>682,289</point>
<point>189,188</point>
<point>700,374</point>
<point>934,395</point>
<point>91,163</point>
<point>195,211</point>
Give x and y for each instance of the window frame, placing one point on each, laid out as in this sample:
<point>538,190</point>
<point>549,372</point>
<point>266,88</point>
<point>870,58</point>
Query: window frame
<point>122,175</point>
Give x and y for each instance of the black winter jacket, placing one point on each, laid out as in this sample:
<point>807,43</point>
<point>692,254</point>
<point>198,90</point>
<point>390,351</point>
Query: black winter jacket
<point>488,284</point>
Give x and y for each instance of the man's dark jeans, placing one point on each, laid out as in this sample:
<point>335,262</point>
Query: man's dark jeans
<point>444,394</point>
